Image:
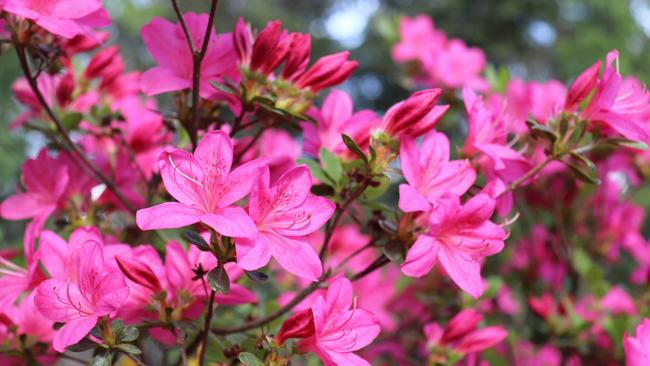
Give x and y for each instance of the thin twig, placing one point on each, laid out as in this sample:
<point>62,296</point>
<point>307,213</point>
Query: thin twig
<point>206,328</point>
<point>514,185</point>
<point>278,313</point>
<point>248,146</point>
<point>186,31</point>
<point>22,57</point>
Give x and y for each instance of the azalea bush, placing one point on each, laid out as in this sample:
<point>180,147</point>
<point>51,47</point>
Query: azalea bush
<point>231,205</point>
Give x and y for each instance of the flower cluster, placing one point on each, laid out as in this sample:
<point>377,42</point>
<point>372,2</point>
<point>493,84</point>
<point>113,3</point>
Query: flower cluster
<point>152,228</point>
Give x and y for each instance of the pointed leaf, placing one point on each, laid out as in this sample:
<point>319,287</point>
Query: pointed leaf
<point>127,334</point>
<point>352,145</point>
<point>249,359</point>
<point>197,240</point>
<point>258,276</point>
<point>218,279</point>
<point>128,348</point>
<point>331,165</point>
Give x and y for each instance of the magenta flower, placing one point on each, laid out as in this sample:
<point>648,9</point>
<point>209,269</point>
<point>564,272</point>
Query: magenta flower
<point>637,348</point>
<point>419,40</point>
<point>459,237</point>
<point>429,172</point>
<point>334,118</point>
<point>283,214</point>
<point>92,292</point>
<point>339,328</point>
<point>65,18</point>
<point>205,188</point>
<point>45,179</point>
<point>621,105</point>
<point>462,334</point>
<point>168,46</point>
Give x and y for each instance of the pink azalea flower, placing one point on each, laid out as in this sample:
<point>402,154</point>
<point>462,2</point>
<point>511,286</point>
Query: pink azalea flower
<point>430,173</point>
<point>619,105</point>
<point>618,301</point>
<point>205,188</point>
<point>419,40</point>
<point>637,348</point>
<point>92,292</point>
<point>338,328</point>
<point>15,280</point>
<point>414,116</point>
<point>459,237</point>
<point>65,18</point>
<point>459,66</point>
<point>284,213</point>
<point>462,334</point>
<point>148,278</point>
<point>45,180</point>
<point>334,118</point>
<point>168,46</point>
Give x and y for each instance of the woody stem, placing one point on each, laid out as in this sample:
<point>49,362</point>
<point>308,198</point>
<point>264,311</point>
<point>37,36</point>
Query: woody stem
<point>206,328</point>
<point>74,149</point>
<point>516,184</point>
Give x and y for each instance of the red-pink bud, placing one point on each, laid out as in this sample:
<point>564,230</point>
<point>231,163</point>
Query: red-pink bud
<point>242,40</point>
<point>461,324</point>
<point>298,56</point>
<point>265,44</point>
<point>481,339</point>
<point>65,88</point>
<point>581,87</point>
<point>544,306</point>
<point>299,325</point>
<point>278,54</point>
<point>139,273</point>
<point>100,61</point>
<point>327,71</point>
<point>415,116</point>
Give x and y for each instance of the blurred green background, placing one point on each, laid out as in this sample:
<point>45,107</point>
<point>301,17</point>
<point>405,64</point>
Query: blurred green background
<point>533,39</point>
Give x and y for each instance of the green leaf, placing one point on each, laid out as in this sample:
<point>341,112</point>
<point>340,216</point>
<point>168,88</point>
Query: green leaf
<point>127,334</point>
<point>258,276</point>
<point>315,169</point>
<point>128,348</point>
<point>102,359</point>
<point>378,187</point>
<point>71,120</point>
<point>331,165</point>
<point>583,173</point>
<point>83,345</point>
<point>639,145</point>
<point>197,240</point>
<point>395,251</point>
<point>249,359</point>
<point>352,145</point>
<point>218,279</point>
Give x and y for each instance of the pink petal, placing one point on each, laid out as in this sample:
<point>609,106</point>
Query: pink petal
<point>295,256</point>
<point>214,153</point>
<point>55,299</point>
<point>158,80</point>
<point>337,108</point>
<point>183,177</point>
<point>354,330</point>
<point>238,295</point>
<point>347,359</point>
<point>240,181</point>
<point>339,295</point>
<point>72,332</point>
<point>317,210</point>
<point>113,292</point>
<point>24,206</point>
<point>464,270</point>
<point>54,254</point>
<point>167,215</point>
<point>421,257</point>
<point>253,254</point>
<point>232,222</point>
<point>411,200</point>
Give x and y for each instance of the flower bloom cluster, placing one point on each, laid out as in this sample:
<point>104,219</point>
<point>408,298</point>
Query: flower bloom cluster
<point>392,243</point>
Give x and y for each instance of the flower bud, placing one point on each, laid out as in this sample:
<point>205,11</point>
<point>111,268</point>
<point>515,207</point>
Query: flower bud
<point>139,273</point>
<point>299,325</point>
<point>242,41</point>
<point>582,87</point>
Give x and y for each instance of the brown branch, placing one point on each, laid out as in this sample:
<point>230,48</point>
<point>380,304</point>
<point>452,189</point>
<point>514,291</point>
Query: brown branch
<point>22,57</point>
<point>206,328</point>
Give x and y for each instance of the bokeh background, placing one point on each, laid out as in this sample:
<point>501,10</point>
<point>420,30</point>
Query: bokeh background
<point>532,39</point>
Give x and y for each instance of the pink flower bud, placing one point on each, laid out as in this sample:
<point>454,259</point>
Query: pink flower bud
<point>298,55</point>
<point>582,86</point>
<point>100,61</point>
<point>299,325</point>
<point>242,41</point>
<point>482,339</point>
<point>264,44</point>
<point>139,273</point>
<point>327,71</point>
<point>461,324</point>
<point>65,88</point>
<point>416,115</point>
